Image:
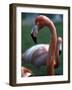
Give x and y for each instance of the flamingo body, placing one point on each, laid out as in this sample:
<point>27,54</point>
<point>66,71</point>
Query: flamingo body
<point>36,55</point>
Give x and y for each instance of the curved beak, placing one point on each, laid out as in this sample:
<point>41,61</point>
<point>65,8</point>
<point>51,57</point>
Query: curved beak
<point>34,33</point>
<point>60,52</point>
<point>60,45</point>
<point>34,38</point>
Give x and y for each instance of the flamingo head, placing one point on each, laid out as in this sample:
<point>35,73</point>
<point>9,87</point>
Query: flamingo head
<point>39,23</point>
<point>59,46</point>
<point>34,32</point>
<point>58,51</point>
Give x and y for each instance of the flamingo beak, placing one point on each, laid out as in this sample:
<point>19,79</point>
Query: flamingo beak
<point>60,48</point>
<point>34,33</point>
<point>60,52</point>
<point>34,38</point>
<point>60,45</point>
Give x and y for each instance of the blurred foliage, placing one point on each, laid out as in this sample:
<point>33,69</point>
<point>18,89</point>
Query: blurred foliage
<point>27,15</point>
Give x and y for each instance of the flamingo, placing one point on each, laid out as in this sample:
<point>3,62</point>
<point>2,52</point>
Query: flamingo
<point>44,54</point>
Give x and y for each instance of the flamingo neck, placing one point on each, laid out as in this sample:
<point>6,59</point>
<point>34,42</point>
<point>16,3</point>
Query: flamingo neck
<point>52,49</point>
<point>45,21</point>
<point>42,21</point>
<point>53,42</point>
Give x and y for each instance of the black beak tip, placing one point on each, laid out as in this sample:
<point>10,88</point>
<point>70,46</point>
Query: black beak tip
<point>60,52</point>
<point>34,38</point>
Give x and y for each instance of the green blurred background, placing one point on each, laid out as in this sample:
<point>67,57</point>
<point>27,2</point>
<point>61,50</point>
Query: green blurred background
<point>27,22</point>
